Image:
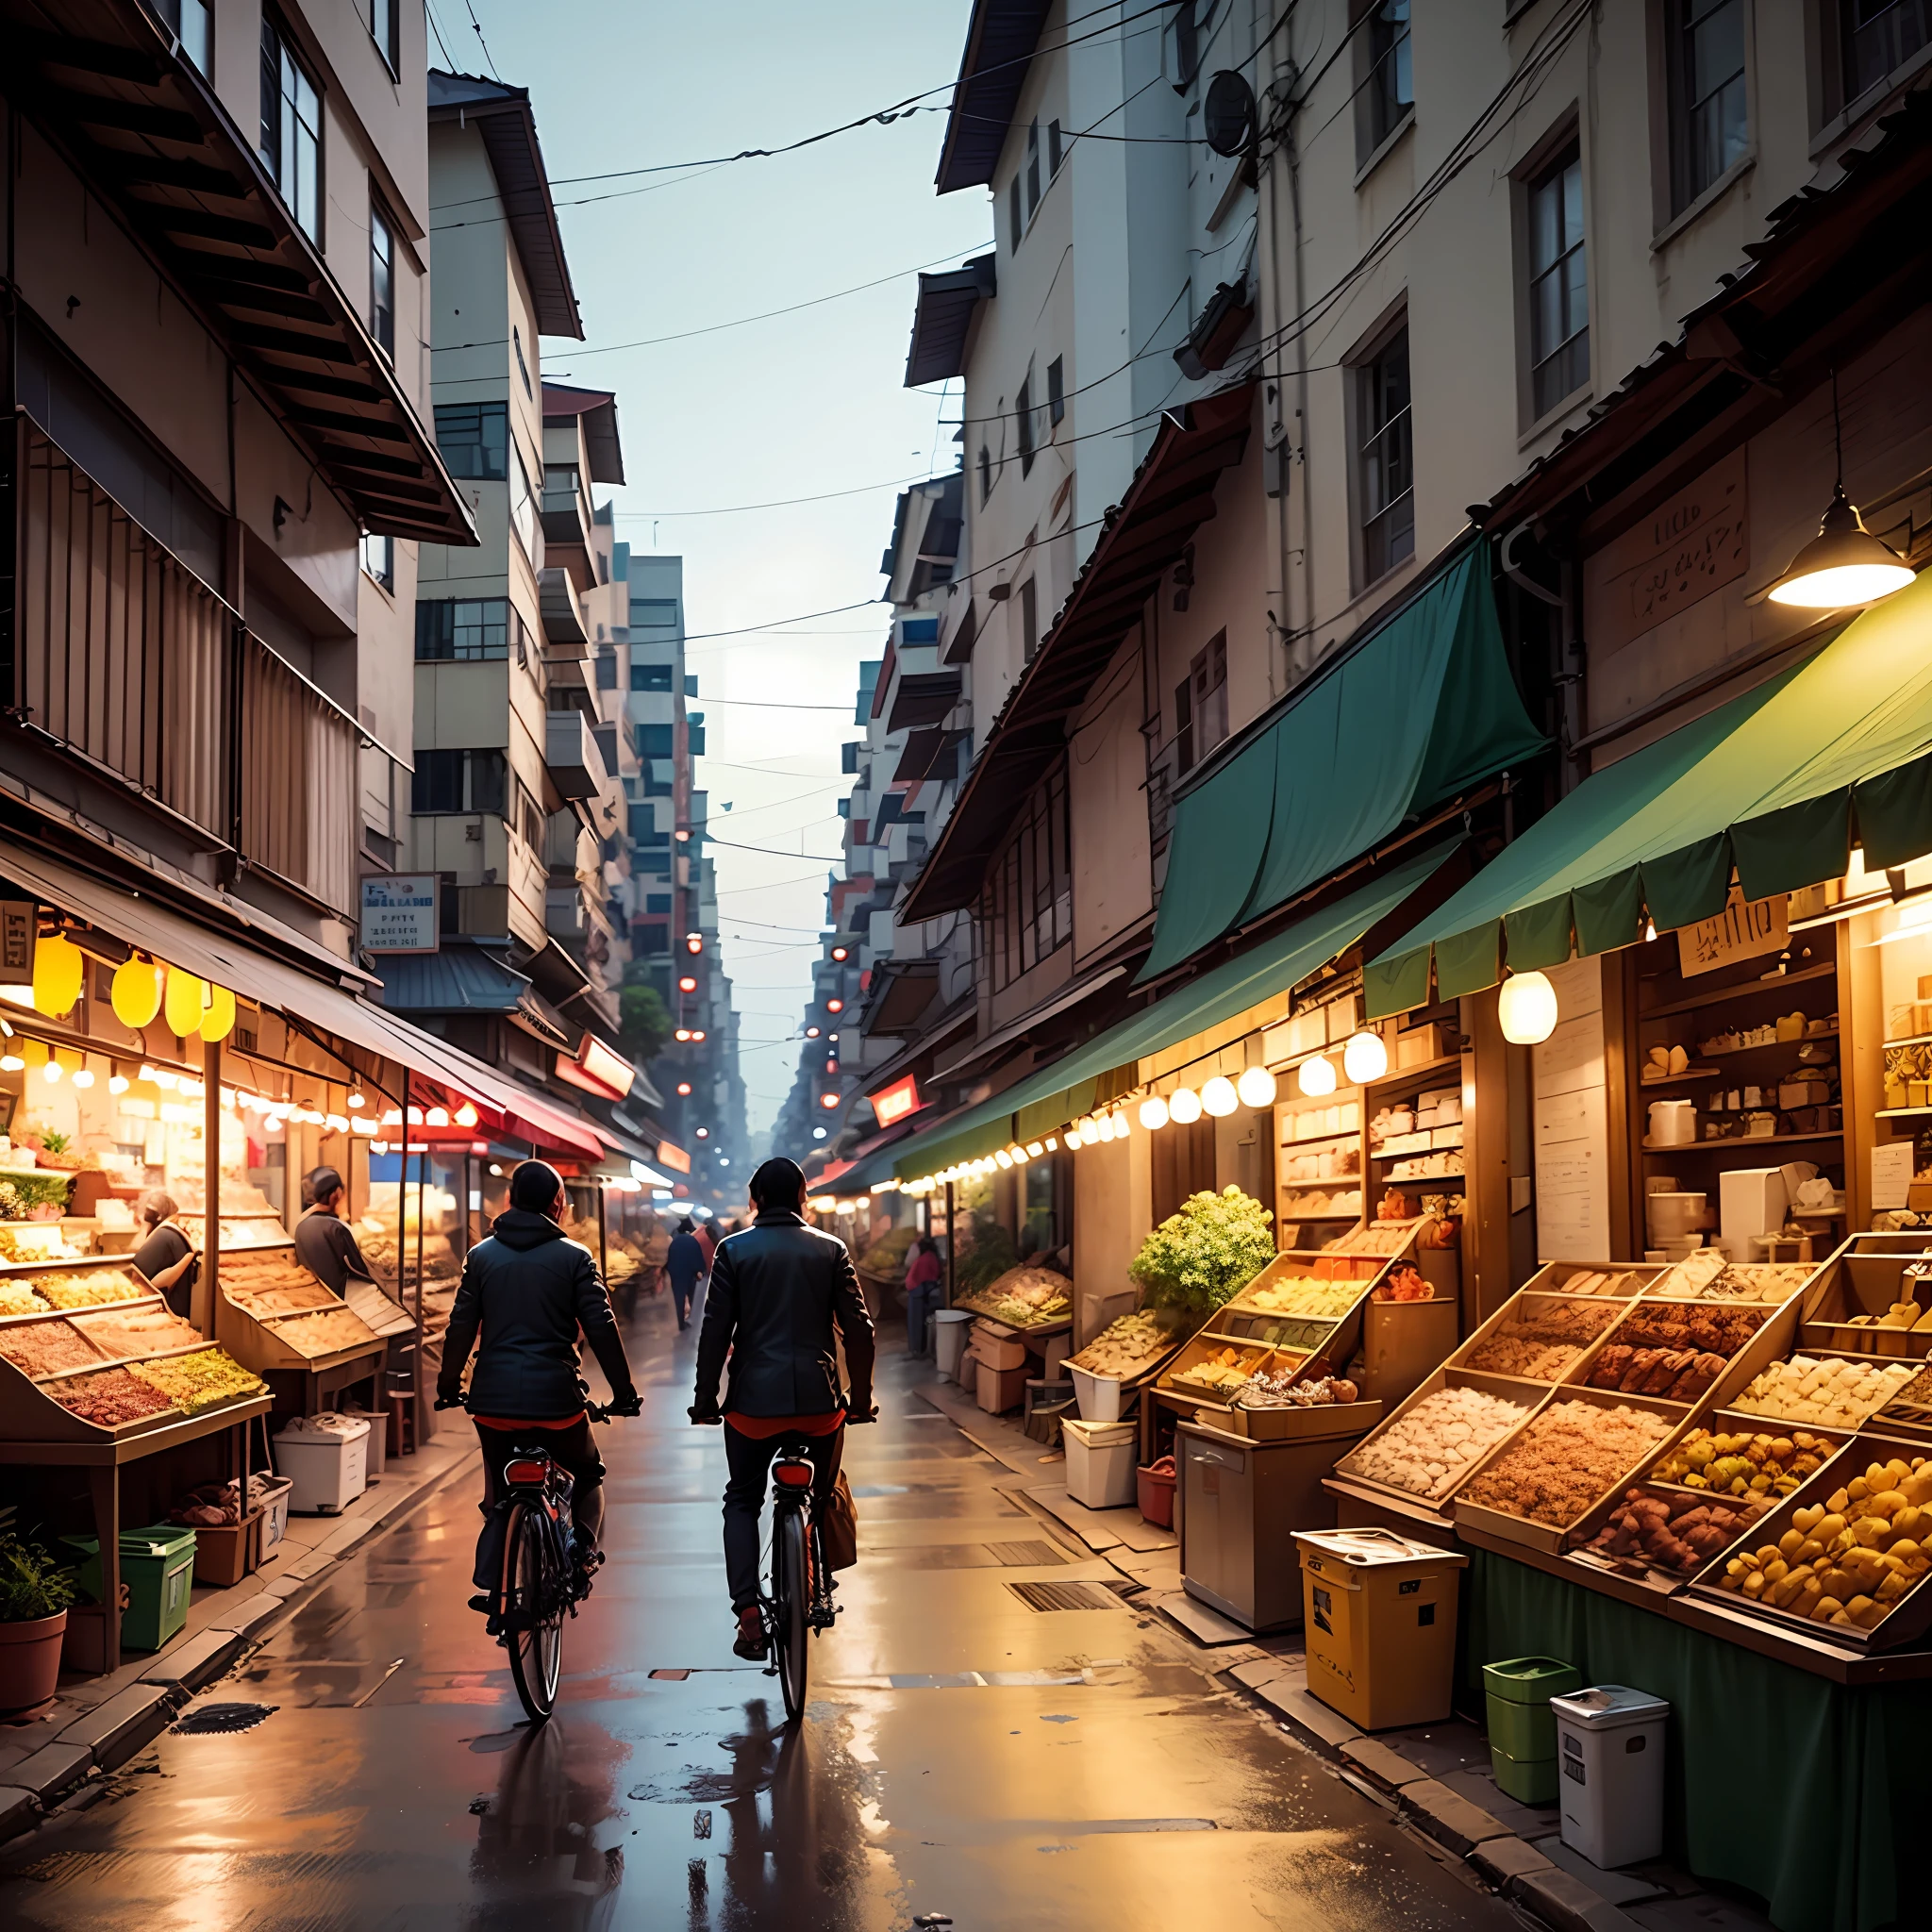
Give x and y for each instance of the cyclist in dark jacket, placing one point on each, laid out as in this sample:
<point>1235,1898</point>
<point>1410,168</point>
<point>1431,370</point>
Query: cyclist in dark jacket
<point>778,1292</point>
<point>531,1292</point>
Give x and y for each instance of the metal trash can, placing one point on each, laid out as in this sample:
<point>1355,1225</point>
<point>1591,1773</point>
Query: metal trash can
<point>1610,1749</point>
<point>949,1340</point>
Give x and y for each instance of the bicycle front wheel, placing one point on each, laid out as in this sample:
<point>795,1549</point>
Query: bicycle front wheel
<point>533,1606</point>
<point>791,1597</point>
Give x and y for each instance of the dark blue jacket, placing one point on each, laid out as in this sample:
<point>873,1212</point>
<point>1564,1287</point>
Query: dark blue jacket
<point>685,1261</point>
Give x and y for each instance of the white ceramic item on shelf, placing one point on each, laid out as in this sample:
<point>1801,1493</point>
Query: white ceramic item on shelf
<point>1673,1123</point>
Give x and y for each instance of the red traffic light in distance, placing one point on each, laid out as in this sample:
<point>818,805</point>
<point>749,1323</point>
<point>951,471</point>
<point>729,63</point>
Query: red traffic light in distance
<point>687,984</point>
<point>693,943</point>
<point>683,1087</point>
<point>840,952</point>
<point>835,1006</point>
<point>811,1032</point>
<point>828,1100</point>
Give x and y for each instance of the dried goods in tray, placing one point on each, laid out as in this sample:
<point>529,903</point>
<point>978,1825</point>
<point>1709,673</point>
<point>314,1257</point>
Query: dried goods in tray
<point>137,1331</point>
<point>1313,1299</point>
<point>1611,1283</point>
<point>1734,1463</point>
<point>270,1283</point>
<point>1288,1390</point>
<point>1023,1297</point>
<point>1542,1338</point>
<point>1824,1390</point>
<point>1645,1530</point>
<point>195,1382</point>
<point>1565,1458</point>
<point>324,1332</point>
<point>1127,1346</point>
<point>93,1288</point>
<point>1222,1372</point>
<point>110,1398</point>
<point>1848,1560</point>
<point>1675,1351</point>
<point>1430,1447</point>
<point>1373,1238</point>
<point>18,1298</point>
<point>46,1348</point>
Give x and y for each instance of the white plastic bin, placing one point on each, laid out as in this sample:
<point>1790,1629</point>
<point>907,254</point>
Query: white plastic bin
<point>950,1326</point>
<point>325,1458</point>
<point>1102,1399</point>
<point>1611,1752</point>
<point>1100,1461</point>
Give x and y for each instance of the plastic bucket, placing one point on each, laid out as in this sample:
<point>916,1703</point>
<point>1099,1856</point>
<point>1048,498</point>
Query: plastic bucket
<point>949,1340</point>
<point>1155,1486</point>
<point>1102,1399</point>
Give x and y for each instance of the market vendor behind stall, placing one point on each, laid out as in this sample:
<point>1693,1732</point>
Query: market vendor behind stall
<point>166,1255</point>
<point>325,1244</point>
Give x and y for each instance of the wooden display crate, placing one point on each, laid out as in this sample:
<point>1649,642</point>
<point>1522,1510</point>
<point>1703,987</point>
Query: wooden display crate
<point>1528,1396</point>
<point>1864,1277</point>
<point>1256,1356</point>
<point>1281,1425</point>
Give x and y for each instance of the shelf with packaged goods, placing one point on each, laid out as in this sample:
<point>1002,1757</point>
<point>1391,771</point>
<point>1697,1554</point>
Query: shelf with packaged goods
<point>1739,1141</point>
<point>1322,1139</point>
<point>1421,1074</point>
<point>1750,988</point>
<point>1803,1039</point>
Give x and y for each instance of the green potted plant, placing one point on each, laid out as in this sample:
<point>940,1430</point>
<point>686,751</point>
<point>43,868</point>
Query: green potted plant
<point>35,1592</point>
<point>1207,1253</point>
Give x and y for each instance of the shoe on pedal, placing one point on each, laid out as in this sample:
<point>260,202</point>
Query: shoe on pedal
<point>750,1641</point>
<point>483,1601</point>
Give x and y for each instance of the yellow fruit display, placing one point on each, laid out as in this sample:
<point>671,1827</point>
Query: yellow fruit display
<point>1743,1465</point>
<point>1848,1560</point>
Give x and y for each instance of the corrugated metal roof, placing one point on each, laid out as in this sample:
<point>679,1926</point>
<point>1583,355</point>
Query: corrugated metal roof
<point>1000,40</point>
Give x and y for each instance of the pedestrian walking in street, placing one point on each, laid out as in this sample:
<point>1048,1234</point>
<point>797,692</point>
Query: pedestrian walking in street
<point>924,1280</point>
<point>528,1291</point>
<point>782,1297</point>
<point>685,1264</point>
<point>325,1242</point>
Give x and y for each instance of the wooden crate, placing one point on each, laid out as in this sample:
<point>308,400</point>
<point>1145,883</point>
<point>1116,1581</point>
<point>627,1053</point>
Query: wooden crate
<point>1321,1418</point>
<point>1528,1396</point>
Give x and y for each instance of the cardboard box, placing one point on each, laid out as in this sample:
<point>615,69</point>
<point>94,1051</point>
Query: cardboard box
<point>1000,1390</point>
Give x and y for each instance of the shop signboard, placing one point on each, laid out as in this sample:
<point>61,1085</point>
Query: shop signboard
<point>891,1105</point>
<point>19,922</point>
<point>673,1156</point>
<point>1744,929</point>
<point>399,912</point>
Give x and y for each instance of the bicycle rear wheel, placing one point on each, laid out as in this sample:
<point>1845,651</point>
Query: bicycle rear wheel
<point>791,1599</point>
<point>533,1606</point>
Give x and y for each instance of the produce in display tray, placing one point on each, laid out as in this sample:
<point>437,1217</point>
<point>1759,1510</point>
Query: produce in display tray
<point>110,1398</point>
<point>886,1258</point>
<point>137,1331</point>
<point>1824,1390</point>
<point>1373,1238</point>
<point>1543,1338</point>
<point>269,1284</point>
<point>1848,1560</point>
<point>1286,1389</point>
<point>1125,1347</point>
<point>1024,1298</point>
<point>35,1242</point>
<point>1675,1535</point>
<point>1674,1353</point>
<point>1403,1283</point>
<point>1618,1284</point>
<point>1433,1444</point>
<point>1305,1295</point>
<point>1734,1463</point>
<point>195,1382</point>
<point>1565,1458</point>
<point>18,1298</point>
<point>47,1348</point>
<point>1222,1373</point>
<point>95,1289</point>
<point>325,1333</point>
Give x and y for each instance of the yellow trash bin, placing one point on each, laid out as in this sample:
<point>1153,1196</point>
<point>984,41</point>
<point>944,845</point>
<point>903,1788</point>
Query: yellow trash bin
<point>1381,1624</point>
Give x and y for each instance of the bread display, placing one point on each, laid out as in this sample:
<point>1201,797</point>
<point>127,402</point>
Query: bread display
<point>1542,1336</point>
<point>1646,1530</point>
<point>1429,1448</point>
<point>1824,1390</point>
<point>1565,1458</point>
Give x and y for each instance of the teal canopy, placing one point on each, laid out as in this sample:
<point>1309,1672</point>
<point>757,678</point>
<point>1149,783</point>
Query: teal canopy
<point>1420,711</point>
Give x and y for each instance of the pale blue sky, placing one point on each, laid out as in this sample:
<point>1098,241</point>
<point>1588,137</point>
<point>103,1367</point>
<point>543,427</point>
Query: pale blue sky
<point>793,407</point>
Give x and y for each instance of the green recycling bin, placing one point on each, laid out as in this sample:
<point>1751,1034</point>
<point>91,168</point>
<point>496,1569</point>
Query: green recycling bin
<point>1521,1725</point>
<point>158,1567</point>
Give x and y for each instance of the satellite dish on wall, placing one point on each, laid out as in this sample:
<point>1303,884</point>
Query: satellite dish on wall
<point>1228,115</point>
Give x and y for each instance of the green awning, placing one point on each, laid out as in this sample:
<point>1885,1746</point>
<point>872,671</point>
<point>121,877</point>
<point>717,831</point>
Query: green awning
<point>1777,783</point>
<point>1421,710</point>
<point>1053,1096</point>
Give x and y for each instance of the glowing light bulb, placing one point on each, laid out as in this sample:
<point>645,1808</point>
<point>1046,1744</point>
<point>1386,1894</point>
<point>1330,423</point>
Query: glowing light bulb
<point>1255,1087</point>
<point>1526,1009</point>
<point>1365,1057</point>
<point>437,1117</point>
<point>51,1073</point>
<point>466,1115</point>
<point>84,1079</point>
<point>1184,1107</point>
<point>1219,1096</point>
<point>1153,1112</point>
<point>117,1083</point>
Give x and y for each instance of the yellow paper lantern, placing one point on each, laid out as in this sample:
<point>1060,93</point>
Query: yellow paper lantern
<point>185,1002</point>
<point>219,1020</point>
<point>59,968</point>
<point>136,993</point>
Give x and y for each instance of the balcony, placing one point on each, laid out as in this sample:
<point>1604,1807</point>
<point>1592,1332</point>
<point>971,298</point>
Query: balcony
<point>126,661</point>
<point>566,637</point>
<point>567,520</point>
<point>570,750</point>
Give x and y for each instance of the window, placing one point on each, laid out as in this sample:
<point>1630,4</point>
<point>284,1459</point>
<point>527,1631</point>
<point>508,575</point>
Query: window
<point>656,741</point>
<point>450,781</point>
<point>1013,209</point>
<point>189,21</point>
<point>1881,35</point>
<point>1054,148</point>
<point>607,670</point>
<point>654,614</point>
<point>384,22</point>
<point>919,630</point>
<point>650,676</point>
<point>657,901</point>
<point>1385,477</point>
<point>1056,390</point>
<point>1026,906</point>
<point>1029,620</point>
<point>1022,416</point>
<point>1710,122</point>
<point>516,341</point>
<point>474,439</point>
<point>522,507</point>
<point>985,473</point>
<point>1388,93</point>
<point>1186,43</point>
<point>380,559</point>
<point>1558,285</point>
<point>463,630</point>
<point>529,817</point>
<point>1200,703</point>
<point>290,130</point>
<point>382,282</point>
<point>1032,169</point>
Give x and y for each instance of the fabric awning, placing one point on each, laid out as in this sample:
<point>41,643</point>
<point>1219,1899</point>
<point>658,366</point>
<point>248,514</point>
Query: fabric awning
<point>1072,1085</point>
<point>1776,784</point>
<point>1343,766</point>
<point>228,961</point>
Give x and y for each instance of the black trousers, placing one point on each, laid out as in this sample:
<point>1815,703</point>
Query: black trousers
<point>571,1449</point>
<point>683,1291</point>
<point>749,1460</point>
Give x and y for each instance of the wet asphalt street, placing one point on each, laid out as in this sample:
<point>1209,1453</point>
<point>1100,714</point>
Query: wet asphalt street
<point>1106,1782</point>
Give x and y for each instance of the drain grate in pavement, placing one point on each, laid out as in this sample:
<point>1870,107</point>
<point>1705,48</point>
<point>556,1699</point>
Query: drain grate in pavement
<point>1035,1556</point>
<point>1066,1596</point>
<point>217,1718</point>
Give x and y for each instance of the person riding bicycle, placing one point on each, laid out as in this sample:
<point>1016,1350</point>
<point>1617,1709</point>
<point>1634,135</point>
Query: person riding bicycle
<point>780,1291</point>
<point>531,1291</point>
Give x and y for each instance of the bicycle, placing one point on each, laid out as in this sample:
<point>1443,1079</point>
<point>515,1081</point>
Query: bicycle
<point>542,1581</point>
<point>801,1601</point>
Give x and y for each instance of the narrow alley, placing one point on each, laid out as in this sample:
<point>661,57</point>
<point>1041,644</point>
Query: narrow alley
<point>965,1755</point>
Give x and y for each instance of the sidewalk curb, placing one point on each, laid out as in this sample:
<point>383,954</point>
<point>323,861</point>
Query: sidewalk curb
<point>1506,1864</point>
<point>110,1732</point>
